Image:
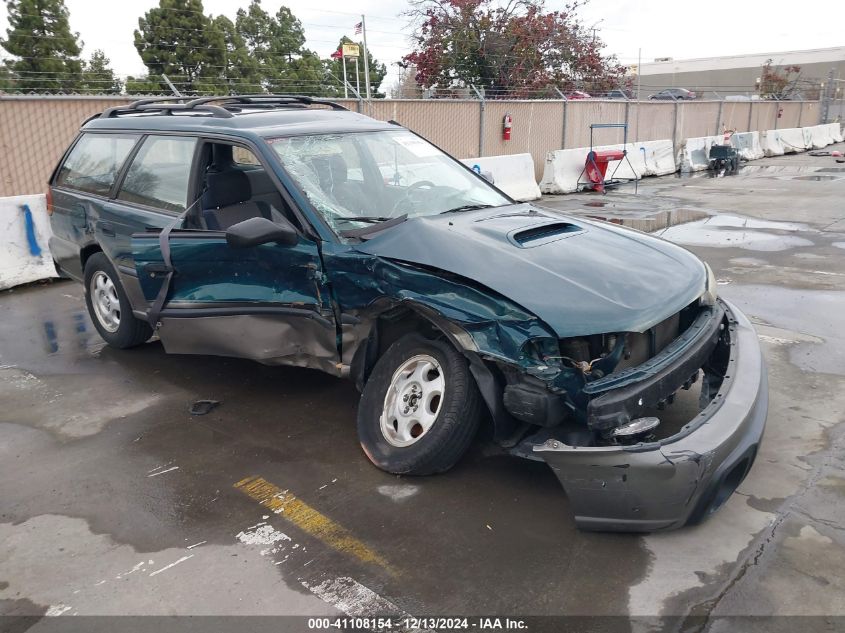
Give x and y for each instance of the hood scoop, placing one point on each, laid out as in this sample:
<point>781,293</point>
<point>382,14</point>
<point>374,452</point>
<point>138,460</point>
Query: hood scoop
<point>543,234</point>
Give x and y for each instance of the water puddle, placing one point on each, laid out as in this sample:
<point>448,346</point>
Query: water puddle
<point>735,231</point>
<point>817,178</point>
<point>651,220</point>
<point>817,341</point>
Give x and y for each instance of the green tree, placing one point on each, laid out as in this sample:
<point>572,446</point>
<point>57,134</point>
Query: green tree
<point>98,76</point>
<point>7,80</point>
<point>240,71</point>
<point>45,52</point>
<point>334,68</point>
<point>277,43</point>
<point>177,39</point>
<point>143,85</point>
<point>303,75</point>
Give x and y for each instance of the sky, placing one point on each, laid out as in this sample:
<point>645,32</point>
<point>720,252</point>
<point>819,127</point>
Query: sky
<point>661,28</point>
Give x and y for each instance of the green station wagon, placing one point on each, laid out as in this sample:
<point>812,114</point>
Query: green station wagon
<point>291,231</point>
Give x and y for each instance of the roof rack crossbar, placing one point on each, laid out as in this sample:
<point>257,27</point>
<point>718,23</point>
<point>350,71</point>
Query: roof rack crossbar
<point>217,111</point>
<point>284,98</point>
<point>221,106</point>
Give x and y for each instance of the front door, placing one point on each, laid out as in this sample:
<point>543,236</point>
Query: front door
<point>267,303</point>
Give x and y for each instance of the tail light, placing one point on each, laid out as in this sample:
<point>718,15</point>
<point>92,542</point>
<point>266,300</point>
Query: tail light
<point>49,197</point>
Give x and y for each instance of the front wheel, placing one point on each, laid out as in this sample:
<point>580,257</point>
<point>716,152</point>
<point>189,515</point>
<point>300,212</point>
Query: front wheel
<point>109,306</point>
<point>420,408</point>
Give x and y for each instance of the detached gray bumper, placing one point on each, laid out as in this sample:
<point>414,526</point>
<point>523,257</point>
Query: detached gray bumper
<point>681,479</point>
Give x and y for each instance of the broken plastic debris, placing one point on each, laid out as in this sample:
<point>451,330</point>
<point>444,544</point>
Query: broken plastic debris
<point>201,407</point>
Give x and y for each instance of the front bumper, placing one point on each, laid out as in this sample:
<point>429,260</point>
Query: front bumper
<point>681,479</point>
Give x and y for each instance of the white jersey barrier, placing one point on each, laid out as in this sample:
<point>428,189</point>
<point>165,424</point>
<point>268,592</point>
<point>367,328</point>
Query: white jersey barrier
<point>747,145</point>
<point>819,136</point>
<point>695,152</point>
<point>770,142</point>
<point>563,167</point>
<point>513,174</point>
<point>836,132</point>
<point>793,140</point>
<point>24,236</point>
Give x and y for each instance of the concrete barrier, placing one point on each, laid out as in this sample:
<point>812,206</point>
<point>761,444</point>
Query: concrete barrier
<point>513,174</point>
<point>771,143</point>
<point>820,136</point>
<point>563,167</point>
<point>747,145</point>
<point>24,237</point>
<point>836,132</point>
<point>660,157</point>
<point>793,140</point>
<point>694,154</point>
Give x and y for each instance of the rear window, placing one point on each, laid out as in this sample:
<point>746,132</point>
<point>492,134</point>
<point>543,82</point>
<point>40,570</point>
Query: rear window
<point>94,162</point>
<point>159,173</point>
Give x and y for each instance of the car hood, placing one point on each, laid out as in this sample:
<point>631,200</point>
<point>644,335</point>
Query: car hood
<point>579,276</point>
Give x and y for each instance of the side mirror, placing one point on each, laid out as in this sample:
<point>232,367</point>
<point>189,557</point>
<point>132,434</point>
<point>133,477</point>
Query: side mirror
<point>255,231</point>
<point>488,176</point>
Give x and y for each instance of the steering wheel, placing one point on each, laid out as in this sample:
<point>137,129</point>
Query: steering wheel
<point>408,192</point>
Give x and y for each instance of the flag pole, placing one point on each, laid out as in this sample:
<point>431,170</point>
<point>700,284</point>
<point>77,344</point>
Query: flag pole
<point>345,84</point>
<point>366,56</point>
<point>357,78</point>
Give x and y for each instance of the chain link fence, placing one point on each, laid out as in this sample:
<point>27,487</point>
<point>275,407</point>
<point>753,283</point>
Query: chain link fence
<point>36,129</point>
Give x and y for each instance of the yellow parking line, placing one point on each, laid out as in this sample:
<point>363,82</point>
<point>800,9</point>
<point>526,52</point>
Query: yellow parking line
<point>309,520</point>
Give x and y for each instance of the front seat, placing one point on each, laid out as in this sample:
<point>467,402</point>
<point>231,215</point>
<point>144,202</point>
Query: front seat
<point>227,201</point>
<point>333,175</point>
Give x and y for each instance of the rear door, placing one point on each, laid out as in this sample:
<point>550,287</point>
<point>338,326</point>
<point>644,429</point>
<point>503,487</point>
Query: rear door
<point>268,303</point>
<point>153,190</point>
<point>81,188</point>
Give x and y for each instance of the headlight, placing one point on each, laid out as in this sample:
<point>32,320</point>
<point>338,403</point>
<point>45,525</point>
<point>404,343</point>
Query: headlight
<point>709,296</point>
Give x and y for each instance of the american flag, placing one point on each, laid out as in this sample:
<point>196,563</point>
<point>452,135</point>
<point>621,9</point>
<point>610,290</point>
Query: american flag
<point>358,28</point>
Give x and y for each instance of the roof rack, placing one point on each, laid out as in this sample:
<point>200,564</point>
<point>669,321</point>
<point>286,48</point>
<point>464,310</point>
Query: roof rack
<point>222,107</point>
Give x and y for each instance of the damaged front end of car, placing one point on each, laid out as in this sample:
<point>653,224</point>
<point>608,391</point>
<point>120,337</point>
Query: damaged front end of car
<point>597,407</point>
<point>623,467</point>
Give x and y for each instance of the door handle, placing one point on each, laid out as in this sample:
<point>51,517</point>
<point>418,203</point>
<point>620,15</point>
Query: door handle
<point>155,268</point>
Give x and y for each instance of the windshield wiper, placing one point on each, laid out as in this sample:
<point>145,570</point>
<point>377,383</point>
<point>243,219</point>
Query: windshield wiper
<point>376,227</point>
<point>467,207</point>
<point>371,219</point>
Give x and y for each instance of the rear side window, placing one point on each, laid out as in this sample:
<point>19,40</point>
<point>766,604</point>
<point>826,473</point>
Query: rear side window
<point>159,173</point>
<point>94,162</point>
<point>242,156</point>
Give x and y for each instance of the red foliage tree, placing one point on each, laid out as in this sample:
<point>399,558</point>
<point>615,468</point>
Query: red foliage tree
<point>517,50</point>
<point>777,83</point>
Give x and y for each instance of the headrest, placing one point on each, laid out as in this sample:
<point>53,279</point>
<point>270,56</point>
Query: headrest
<point>226,188</point>
<point>331,170</point>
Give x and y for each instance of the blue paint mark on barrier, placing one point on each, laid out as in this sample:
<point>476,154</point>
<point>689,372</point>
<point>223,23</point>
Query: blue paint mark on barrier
<point>34,248</point>
<point>477,169</point>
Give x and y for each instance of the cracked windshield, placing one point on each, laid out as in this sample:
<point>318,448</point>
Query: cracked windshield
<point>356,180</point>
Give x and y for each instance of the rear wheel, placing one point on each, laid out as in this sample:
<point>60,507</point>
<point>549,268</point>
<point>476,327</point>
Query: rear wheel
<point>109,306</point>
<point>420,408</point>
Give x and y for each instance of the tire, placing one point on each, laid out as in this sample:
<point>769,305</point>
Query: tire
<point>404,446</point>
<point>113,319</point>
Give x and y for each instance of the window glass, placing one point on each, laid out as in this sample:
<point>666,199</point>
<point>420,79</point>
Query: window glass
<point>243,156</point>
<point>379,175</point>
<point>159,173</point>
<point>94,161</point>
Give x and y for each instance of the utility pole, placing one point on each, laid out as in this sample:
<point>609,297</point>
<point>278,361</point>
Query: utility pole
<point>366,56</point>
<point>639,83</point>
<point>357,78</point>
<point>345,83</point>
<point>827,96</point>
